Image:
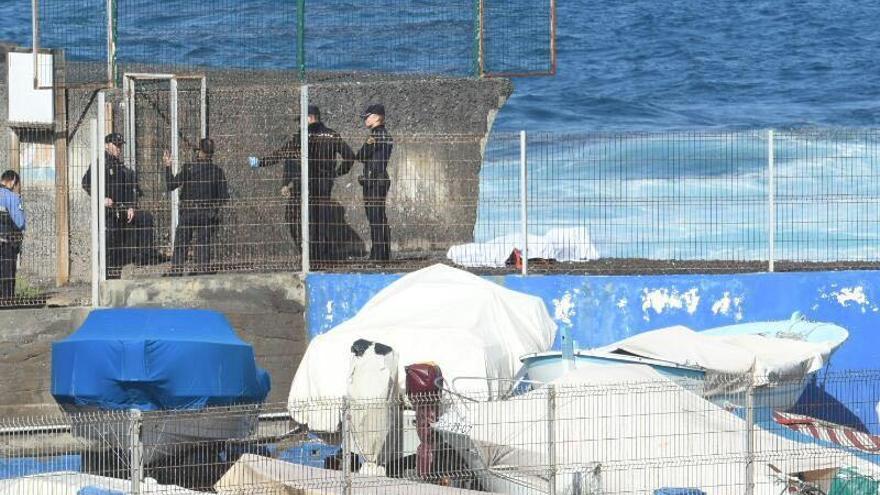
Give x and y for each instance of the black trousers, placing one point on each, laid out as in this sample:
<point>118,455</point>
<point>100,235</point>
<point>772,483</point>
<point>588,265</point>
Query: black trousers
<point>321,244</point>
<point>375,192</point>
<point>199,226</point>
<point>118,251</point>
<point>8,266</point>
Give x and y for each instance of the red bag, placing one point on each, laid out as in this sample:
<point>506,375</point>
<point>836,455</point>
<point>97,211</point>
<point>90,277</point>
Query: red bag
<point>423,388</point>
<point>422,378</point>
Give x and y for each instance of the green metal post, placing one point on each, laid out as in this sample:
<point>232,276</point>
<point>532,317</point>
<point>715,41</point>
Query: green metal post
<point>478,37</point>
<point>112,36</point>
<point>301,38</point>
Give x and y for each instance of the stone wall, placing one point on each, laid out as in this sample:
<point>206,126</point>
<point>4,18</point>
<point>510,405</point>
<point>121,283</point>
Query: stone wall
<point>440,127</point>
<point>26,336</point>
<point>266,311</point>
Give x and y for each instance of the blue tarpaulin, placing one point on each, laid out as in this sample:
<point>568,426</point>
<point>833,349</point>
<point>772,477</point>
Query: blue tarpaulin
<point>17,467</point>
<point>156,359</point>
<point>96,490</point>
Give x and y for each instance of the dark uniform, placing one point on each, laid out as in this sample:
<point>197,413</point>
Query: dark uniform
<point>12,224</point>
<point>203,189</point>
<point>375,154</point>
<point>325,145</point>
<point>120,186</point>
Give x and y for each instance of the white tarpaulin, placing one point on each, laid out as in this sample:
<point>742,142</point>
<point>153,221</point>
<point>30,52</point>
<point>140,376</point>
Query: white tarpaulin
<point>631,430</point>
<point>73,483</point>
<point>253,474</point>
<point>372,383</point>
<point>469,326</point>
<point>568,244</point>
<point>729,359</point>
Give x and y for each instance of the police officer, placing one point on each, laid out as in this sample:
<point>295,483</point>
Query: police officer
<point>120,200</point>
<point>12,224</point>
<point>203,190</point>
<point>329,158</point>
<point>375,154</point>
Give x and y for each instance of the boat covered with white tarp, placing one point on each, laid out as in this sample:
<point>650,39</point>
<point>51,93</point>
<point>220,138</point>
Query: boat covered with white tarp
<point>631,429</point>
<point>469,326</point>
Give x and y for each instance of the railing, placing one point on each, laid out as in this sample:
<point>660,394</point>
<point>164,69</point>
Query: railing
<point>542,203</point>
<point>307,40</point>
<point>636,433</point>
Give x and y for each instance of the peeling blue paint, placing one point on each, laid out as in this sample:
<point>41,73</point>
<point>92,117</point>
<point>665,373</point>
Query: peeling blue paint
<point>598,310</point>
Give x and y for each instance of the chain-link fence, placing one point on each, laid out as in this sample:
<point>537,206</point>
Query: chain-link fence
<point>640,431</point>
<point>48,244</point>
<point>312,40</point>
<point>499,203</point>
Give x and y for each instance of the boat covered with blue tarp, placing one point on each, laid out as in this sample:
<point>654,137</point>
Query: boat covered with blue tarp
<point>168,364</point>
<point>156,359</point>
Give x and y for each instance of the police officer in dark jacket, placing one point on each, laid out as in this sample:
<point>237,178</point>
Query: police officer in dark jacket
<point>329,158</point>
<point>375,154</point>
<point>203,190</point>
<point>121,198</point>
<point>12,225</point>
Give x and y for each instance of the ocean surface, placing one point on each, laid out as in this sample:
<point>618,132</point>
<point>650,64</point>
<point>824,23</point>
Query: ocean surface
<point>720,73</point>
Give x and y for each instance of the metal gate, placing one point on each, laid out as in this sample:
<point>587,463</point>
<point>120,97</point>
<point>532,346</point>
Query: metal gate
<point>163,113</point>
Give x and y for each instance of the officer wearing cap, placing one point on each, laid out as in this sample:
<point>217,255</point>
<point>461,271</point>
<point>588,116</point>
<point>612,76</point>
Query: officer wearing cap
<point>203,190</point>
<point>120,201</point>
<point>329,158</point>
<point>374,154</point>
<point>12,225</point>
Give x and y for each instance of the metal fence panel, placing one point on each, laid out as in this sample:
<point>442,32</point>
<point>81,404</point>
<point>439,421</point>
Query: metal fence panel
<point>827,196</point>
<point>635,434</point>
<point>594,202</point>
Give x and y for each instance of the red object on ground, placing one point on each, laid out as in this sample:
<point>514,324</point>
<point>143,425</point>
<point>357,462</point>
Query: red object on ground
<point>829,432</point>
<point>515,259</point>
<point>424,392</point>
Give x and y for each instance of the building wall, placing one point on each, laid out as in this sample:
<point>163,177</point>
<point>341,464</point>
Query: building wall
<point>253,113</point>
<point>599,310</point>
<point>265,310</point>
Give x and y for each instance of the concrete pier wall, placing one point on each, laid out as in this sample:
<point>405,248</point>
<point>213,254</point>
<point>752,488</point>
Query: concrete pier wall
<point>440,127</point>
<point>265,310</point>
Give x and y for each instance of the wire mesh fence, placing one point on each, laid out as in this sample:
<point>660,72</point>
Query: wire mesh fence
<point>826,184</point>
<point>576,203</point>
<point>102,38</point>
<point>636,431</point>
<point>54,228</point>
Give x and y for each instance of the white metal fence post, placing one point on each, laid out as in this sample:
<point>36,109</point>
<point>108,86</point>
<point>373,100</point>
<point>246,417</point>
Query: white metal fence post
<point>203,108</point>
<point>99,191</point>
<point>346,446</point>
<point>111,43</point>
<point>136,448</point>
<point>524,201</point>
<point>771,200</point>
<point>175,163</point>
<point>95,213</point>
<point>551,438</point>
<point>35,32</point>
<point>304,174</point>
<point>749,440</point>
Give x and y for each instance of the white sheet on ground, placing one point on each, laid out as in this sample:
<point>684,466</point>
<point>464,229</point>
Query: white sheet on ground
<point>73,483</point>
<point>560,244</point>
<point>641,430</point>
<point>766,359</point>
<point>469,326</point>
<point>254,474</point>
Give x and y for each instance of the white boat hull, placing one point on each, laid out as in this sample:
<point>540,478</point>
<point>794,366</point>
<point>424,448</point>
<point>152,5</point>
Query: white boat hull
<point>548,366</point>
<point>164,434</point>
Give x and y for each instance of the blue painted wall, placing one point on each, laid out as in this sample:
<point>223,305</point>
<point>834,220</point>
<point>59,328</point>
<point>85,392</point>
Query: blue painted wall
<point>599,310</point>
